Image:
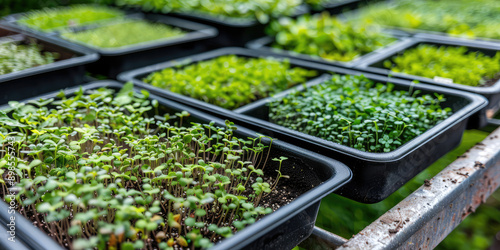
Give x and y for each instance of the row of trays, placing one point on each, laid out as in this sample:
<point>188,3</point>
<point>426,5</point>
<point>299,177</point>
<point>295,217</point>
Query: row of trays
<point>70,71</point>
<point>361,176</point>
<point>284,229</point>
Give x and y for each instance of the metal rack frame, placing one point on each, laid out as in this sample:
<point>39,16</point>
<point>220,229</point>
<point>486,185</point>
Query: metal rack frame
<point>424,218</point>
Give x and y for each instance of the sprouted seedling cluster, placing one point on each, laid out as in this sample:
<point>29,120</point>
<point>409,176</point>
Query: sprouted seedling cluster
<point>16,57</point>
<point>359,113</point>
<point>327,37</point>
<point>57,18</point>
<point>105,170</point>
<point>230,81</point>
<point>458,17</point>
<point>124,33</point>
<point>262,10</point>
<point>449,62</point>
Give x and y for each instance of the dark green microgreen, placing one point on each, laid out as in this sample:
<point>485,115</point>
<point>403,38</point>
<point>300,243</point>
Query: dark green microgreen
<point>359,113</point>
<point>327,37</point>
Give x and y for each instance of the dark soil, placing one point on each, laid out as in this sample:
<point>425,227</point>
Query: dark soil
<point>490,82</point>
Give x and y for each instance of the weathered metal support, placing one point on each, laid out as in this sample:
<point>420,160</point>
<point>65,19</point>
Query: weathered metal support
<point>427,216</point>
<point>321,239</point>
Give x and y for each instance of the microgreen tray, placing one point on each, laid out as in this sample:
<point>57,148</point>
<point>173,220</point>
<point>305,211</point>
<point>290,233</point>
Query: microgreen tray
<point>389,4</point>
<point>67,69</point>
<point>375,175</point>
<point>374,64</point>
<point>264,44</point>
<point>336,6</point>
<point>284,228</point>
<point>137,75</point>
<point>232,31</point>
<point>14,20</point>
<point>116,60</point>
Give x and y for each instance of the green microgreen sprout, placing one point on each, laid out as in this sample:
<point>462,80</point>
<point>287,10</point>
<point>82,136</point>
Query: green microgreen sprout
<point>359,113</point>
<point>230,81</point>
<point>100,169</point>
<point>280,175</point>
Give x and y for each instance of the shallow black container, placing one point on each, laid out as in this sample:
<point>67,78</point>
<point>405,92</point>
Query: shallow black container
<point>283,229</point>
<point>264,44</point>
<point>232,31</point>
<point>137,75</point>
<point>68,70</point>
<point>354,14</point>
<point>375,175</point>
<point>116,60</point>
<point>26,236</point>
<point>336,6</point>
<point>12,21</point>
<point>374,64</point>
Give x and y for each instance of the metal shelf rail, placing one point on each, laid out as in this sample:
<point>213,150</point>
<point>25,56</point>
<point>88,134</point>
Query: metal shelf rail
<point>427,216</point>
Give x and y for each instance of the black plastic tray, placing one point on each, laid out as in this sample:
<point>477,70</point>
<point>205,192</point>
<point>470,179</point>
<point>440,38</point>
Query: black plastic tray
<point>283,229</point>
<point>116,60</point>
<point>68,70</point>
<point>264,44</point>
<point>26,235</point>
<point>232,31</point>
<point>375,175</point>
<point>409,31</point>
<point>12,21</point>
<point>374,64</point>
<point>137,75</point>
<point>336,6</point>
<point>412,31</point>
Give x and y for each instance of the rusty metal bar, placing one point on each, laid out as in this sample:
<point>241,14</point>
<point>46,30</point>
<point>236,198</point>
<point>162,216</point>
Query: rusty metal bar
<point>321,239</point>
<point>427,216</point>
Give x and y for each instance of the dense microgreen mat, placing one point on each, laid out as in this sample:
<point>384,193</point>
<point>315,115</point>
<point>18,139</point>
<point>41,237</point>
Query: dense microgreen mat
<point>327,37</point>
<point>359,113</point>
<point>457,63</point>
<point>102,170</point>
<point>16,57</point>
<point>124,33</point>
<point>53,18</point>
<point>479,18</point>
<point>262,10</point>
<point>230,81</point>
